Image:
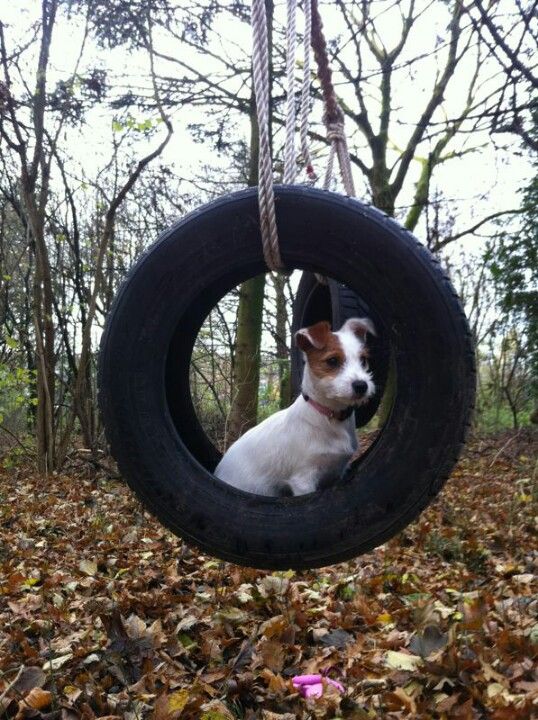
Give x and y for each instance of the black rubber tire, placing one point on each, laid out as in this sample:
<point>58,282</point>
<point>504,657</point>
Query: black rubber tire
<point>147,408</point>
<point>333,301</point>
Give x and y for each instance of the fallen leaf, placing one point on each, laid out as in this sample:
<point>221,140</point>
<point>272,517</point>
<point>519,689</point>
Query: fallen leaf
<point>68,714</point>
<point>524,578</point>
<point>178,700</point>
<point>401,699</point>
<point>337,638</point>
<point>88,567</point>
<point>244,593</point>
<point>160,709</point>
<point>428,641</point>
<point>37,699</point>
<point>402,661</point>
<point>273,585</point>
<point>275,683</point>
<point>494,689</point>
<point>464,712</point>
<point>530,687</point>
<point>216,710</point>
<point>272,654</point>
<point>57,662</point>
<point>243,657</point>
<point>72,693</point>
<point>447,703</point>
<point>273,626</point>
<point>384,618</point>
<point>27,679</point>
<point>92,658</point>
<point>232,615</point>
<point>490,673</point>
<point>135,627</point>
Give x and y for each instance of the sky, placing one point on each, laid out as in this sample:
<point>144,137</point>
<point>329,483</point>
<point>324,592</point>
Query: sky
<point>485,180</point>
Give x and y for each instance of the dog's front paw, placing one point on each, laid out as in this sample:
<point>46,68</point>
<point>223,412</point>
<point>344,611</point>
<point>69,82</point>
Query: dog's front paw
<point>303,485</point>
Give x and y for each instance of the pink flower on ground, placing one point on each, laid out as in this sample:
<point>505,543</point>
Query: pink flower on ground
<point>311,686</point>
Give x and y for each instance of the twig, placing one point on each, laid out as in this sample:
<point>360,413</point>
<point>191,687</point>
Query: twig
<point>19,442</point>
<point>12,689</point>
<point>98,464</point>
<point>504,447</point>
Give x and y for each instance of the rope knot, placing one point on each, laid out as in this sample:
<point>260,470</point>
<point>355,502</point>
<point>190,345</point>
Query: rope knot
<point>335,132</point>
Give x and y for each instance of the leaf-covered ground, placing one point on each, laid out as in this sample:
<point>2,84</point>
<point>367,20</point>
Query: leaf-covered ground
<point>105,614</point>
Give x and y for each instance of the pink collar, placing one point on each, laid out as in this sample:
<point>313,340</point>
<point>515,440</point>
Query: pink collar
<point>340,415</point>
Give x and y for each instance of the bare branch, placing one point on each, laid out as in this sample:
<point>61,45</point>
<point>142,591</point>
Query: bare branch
<point>511,54</point>
<point>474,228</point>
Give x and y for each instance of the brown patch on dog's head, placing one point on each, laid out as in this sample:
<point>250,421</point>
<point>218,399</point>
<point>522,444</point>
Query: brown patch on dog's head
<point>323,349</point>
<point>313,337</point>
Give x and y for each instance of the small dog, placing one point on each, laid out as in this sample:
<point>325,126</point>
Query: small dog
<point>310,443</point>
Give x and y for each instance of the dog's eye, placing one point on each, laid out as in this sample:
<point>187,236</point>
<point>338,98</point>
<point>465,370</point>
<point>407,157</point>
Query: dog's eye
<point>364,362</point>
<point>333,362</point>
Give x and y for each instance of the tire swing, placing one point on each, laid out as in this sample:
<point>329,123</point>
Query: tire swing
<point>152,427</point>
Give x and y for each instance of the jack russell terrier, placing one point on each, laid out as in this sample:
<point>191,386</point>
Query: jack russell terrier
<point>310,443</point>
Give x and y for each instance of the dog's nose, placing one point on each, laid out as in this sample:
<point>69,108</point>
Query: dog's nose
<point>359,387</point>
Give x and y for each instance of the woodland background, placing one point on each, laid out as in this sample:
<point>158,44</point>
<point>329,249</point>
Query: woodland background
<point>116,118</point>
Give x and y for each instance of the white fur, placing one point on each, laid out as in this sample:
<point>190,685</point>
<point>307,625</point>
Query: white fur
<point>298,448</point>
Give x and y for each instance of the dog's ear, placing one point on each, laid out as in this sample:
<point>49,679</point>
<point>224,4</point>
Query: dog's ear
<point>313,337</point>
<point>360,327</point>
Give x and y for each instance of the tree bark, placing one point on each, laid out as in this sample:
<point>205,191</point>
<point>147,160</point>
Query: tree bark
<point>35,198</point>
<point>244,410</point>
<point>282,352</point>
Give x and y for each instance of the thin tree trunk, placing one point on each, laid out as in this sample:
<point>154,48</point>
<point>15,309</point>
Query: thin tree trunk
<point>244,411</point>
<point>513,409</point>
<point>45,337</point>
<point>282,352</point>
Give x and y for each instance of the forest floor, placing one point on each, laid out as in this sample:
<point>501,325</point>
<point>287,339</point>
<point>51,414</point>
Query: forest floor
<point>103,613</point>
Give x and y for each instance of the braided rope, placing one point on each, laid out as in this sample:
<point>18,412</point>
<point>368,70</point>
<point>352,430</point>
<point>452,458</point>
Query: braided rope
<point>330,168</point>
<point>266,195</point>
<point>290,167</point>
<point>333,117</point>
<point>305,91</point>
<point>337,137</point>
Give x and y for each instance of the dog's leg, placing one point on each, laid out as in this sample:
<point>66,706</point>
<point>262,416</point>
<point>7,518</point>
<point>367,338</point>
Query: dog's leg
<point>303,484</point>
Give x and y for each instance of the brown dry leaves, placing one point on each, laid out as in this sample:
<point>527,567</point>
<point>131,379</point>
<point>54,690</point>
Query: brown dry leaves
<point>103,614</point>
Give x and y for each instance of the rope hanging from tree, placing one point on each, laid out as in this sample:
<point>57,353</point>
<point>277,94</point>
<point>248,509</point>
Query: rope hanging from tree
<point>290,165</point>
<point>305,92</point>
<point>260,76</point>
<point>333,116</point>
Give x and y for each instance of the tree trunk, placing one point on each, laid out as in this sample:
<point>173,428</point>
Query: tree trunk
<point>45,338</point>
<point>244,410</point>
<point>282,352</point>
<point>513,408</point>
